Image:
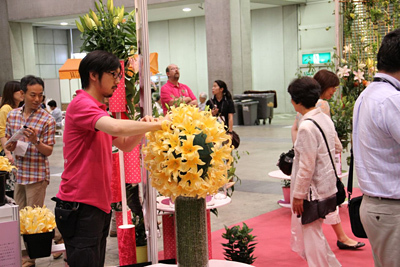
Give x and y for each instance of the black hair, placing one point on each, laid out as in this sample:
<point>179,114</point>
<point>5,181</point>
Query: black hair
<point>99,62</point>
<point>52,104</point>
<point>389,52</point>
<point>326,79</point>
<point>225,91</point>
<point>305,91</point>
<point>30,80</point>
<point>8,93</point>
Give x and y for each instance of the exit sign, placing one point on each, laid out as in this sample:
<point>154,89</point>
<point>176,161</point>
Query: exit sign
<point>317,58</point>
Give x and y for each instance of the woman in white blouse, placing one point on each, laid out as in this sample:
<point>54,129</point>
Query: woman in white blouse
<point>313,176</point>
<point>329,83</point>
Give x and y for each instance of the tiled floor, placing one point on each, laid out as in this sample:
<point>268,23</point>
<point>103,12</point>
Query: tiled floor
<point>256,194</point>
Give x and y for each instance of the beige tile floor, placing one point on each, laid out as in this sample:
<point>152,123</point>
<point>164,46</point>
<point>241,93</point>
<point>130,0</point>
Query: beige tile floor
<point>256,195</point>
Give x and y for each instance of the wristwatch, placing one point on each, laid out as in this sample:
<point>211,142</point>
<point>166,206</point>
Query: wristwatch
<point>37,142</point>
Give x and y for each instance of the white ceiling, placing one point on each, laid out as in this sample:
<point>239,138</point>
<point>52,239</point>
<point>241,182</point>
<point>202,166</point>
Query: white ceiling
<point>163,12</point>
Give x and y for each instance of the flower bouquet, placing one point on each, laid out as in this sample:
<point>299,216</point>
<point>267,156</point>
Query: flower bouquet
<point>188,159</point>
<point>5,168</point>
<point>36,226</point>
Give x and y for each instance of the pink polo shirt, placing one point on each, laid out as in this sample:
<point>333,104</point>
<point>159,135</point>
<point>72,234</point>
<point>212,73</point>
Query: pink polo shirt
<point>170,91</point>
<point>87,155</point>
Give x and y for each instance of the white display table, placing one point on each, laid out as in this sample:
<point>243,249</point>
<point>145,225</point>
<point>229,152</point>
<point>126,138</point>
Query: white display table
<point>278,174</point>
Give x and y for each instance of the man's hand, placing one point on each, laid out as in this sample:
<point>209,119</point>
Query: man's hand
<point>31,134</point>
<point>11,146</point>
<point>187,99</point>
<point>297,206</point>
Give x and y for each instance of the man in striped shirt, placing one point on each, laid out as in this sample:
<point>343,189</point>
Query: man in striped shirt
<point>31,151</point>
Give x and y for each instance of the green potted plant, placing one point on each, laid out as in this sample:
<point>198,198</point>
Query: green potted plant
<point>241,244</point>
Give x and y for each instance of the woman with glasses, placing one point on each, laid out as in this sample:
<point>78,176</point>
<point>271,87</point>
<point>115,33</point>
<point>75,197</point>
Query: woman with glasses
<point>329,83</point>
<point>12,96</point>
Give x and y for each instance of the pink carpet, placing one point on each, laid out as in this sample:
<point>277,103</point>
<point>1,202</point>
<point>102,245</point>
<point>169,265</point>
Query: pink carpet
<point>273,236</point>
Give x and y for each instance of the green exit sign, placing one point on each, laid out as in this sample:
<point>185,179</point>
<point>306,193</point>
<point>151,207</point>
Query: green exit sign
<point>318,58</point>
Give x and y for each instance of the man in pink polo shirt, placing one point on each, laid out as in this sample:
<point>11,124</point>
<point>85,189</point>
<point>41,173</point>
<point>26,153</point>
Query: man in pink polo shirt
<point>173,92</point>
<point>83,209</point>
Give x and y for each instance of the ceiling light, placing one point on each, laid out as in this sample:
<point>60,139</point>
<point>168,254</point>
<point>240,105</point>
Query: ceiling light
<point>64,23</point>
<point>187,9</point>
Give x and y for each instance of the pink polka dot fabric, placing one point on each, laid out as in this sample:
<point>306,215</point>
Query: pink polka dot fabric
<point>168,222</point>
<point>126,246</point>
<point>115,180</point>
<point>118,217</point>
<point>209,235</point>
<point>132,166</point>
<point>117,103</point>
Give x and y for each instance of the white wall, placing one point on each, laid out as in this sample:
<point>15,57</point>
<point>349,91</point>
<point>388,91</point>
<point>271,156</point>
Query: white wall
<point>279,36</point>
<point>51,51</point>
<point>22,50</point>
<point>182,42</point>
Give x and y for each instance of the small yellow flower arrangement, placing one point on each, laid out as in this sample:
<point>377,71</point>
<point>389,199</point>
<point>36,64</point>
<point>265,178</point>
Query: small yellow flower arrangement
<point>190,156</point>
<point>5,165</point>
<point>36,220</point>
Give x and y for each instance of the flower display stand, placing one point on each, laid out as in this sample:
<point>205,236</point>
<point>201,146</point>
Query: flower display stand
<point>38,245</point>
<point>191,232</point>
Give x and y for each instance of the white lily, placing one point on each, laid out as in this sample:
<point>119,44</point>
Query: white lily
<point>343,72</point>
<point>358,75</point>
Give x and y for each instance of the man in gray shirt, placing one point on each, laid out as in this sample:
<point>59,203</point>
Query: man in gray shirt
<point>56,113</point>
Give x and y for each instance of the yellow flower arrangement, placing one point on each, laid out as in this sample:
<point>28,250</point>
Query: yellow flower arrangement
<point>5,165</point>
<point>36,220</point>
<point>190,156</point>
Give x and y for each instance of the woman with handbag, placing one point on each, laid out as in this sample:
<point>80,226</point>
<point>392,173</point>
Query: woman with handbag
<point>313,184</point>
<point>329,82</point>
<point>222,106</point>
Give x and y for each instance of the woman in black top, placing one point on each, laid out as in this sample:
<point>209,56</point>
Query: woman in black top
<point>222,104</point>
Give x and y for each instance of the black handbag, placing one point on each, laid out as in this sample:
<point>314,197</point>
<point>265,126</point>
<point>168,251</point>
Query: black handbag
<point>316,209</point>
<point>285,162</point>
<point>235,139</point>
<point>354,204</point>
<point>341,193</point>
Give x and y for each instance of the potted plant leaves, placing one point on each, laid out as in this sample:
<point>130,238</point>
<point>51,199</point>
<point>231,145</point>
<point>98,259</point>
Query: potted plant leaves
<point>241,244</point>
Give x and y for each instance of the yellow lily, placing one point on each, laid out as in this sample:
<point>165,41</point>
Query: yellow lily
<point>110,6</point>
<point>187,149</point>
<point>121,14</point>
<point>95,18</point>
<point>88,22</point>
<point>79,26</point>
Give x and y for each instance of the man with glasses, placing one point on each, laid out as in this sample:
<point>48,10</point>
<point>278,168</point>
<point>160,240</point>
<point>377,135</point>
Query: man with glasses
<point>83,209</point>
<point>173,93</point>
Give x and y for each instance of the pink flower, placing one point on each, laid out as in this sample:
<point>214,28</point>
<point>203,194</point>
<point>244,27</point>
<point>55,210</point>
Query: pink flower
<point>343,72</point>
<point>358,75</point>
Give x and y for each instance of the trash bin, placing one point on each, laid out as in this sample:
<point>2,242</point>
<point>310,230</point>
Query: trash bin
<point>238,115</point>
<point>265,106</point>
<point>249,111</point>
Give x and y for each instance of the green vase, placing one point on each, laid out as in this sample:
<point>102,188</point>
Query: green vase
<point>191,232</point>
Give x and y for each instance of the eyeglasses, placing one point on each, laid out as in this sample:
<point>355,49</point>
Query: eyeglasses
<point>115,74</point>
<point>174,69</point>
